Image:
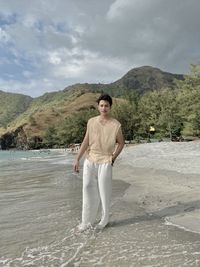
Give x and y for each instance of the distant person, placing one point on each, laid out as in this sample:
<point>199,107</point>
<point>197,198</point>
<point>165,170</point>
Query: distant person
<point>102,143</point>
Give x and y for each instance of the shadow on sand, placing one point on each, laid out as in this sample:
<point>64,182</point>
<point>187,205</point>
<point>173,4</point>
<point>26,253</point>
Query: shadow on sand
<point>160,214</point>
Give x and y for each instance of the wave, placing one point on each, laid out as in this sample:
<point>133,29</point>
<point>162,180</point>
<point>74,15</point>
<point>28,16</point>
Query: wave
<point>59,253</point>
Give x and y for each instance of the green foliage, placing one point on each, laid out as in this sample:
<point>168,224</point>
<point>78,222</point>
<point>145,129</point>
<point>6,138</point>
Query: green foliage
<point>35,142</point>
<point>159,109</point>
<point>149,111</point>
<point>126,113</point>
<point>42,103</point>
<point>188,101</point>
<point>51,138</point>
<point>11,106</point>
<point>72,130</point>
<point>196,123</point>
<point>146,79</point>
<point>32,120</point>
<point>74,127</point>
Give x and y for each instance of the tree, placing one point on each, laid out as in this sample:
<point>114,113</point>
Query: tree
<point>125,112</point>
<point>160,109</point>
<point>188,100</point>
<point>50,137</point>
<point>170,120</point>
<point>149,110</point>
<point>74,127</point>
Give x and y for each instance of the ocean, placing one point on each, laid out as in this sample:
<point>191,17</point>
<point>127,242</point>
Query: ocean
<point>40,206</point>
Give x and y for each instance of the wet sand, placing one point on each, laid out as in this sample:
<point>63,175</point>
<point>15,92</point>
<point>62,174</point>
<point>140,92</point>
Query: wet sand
<point>164,180</point>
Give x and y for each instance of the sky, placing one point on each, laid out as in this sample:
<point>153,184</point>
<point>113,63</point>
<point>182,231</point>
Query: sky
<point>47,45</point>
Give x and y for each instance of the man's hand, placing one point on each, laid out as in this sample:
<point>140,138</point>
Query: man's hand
<point>113,160</point>
<point>76,166</point>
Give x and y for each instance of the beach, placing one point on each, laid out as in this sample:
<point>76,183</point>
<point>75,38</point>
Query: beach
<point>165,181</point>
<point>154,220</point>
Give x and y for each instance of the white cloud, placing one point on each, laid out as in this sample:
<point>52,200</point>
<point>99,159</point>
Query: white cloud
<point>29,21</point>
<point>64,42</point>
<point>30,87</point>
<point>119,7</point>
<point>90,67</point>
<point>4,36</point>
<point>54,58</point>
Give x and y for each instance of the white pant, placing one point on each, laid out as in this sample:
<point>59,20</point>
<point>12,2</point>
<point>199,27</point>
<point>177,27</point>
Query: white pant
<point>97,186</point>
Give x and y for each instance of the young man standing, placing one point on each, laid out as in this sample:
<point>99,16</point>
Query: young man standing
<point>102,143</point>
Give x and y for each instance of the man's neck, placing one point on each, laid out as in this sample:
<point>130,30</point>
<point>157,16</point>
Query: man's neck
<point>104,117</point>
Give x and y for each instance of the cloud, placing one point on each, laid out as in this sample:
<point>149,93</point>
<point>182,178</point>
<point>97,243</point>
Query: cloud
<point>149,32</point>
<point>45,47</point>
<point>4,36</point>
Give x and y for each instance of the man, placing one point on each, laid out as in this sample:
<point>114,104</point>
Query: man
<point>102,143</point>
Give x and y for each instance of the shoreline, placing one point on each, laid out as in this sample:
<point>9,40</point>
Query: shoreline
<point>172,195</point>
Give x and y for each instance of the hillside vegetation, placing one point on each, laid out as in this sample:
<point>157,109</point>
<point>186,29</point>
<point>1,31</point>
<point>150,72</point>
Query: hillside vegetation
<point>11,106</point>
<point>144,97</point>
<point>146,78</point>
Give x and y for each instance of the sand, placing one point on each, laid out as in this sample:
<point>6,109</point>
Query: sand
<point>164,180</point>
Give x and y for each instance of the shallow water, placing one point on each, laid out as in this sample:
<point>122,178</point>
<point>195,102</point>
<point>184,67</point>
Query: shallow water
<point>40,205</point>
<point>36,200</point>
<point>140,240</point>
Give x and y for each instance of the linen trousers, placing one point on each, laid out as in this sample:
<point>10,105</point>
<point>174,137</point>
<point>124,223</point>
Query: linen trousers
<point>97,188</point>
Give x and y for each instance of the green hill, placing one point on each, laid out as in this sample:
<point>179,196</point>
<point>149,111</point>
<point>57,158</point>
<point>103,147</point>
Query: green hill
<point>11,106</point>
<point>140,80</point>
<point>32,117</point>
<point>145,79</point>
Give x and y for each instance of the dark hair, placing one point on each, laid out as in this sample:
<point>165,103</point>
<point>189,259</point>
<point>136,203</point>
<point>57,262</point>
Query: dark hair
<point>105,97</point>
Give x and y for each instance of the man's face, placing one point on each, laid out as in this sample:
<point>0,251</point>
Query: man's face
<point>104,107</point>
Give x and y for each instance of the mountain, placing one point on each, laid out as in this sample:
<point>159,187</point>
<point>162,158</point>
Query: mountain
<point>42,113</point>
<point>11,106</point>
<point>147,78</point>
<point>140,80</point>
<point>50,109</point>
<point>29,118</point>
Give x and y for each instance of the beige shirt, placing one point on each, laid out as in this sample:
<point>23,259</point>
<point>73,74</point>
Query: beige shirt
<point>102,139</point>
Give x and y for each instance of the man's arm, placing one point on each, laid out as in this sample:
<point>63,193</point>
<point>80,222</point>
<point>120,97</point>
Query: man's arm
<point>120,145</point>
<point>82,150</point>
